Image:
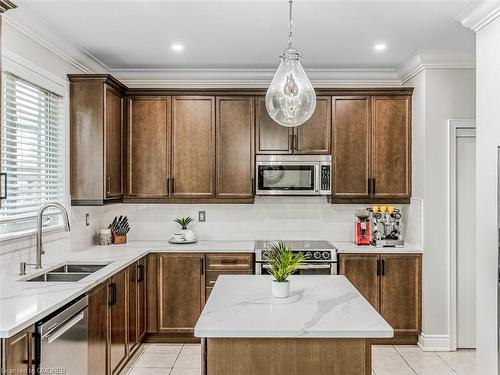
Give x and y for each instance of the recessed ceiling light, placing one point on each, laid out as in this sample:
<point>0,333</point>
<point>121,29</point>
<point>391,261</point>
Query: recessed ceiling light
<point>177,47</point>
<point>380,47</point>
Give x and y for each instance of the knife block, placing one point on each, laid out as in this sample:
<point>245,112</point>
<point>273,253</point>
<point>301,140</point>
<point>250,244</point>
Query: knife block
<point>117,239</point>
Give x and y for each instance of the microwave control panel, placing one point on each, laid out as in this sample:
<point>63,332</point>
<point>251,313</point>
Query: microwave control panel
<point>325,177</point>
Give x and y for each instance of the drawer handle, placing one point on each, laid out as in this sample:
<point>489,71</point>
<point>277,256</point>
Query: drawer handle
<point>229,261</point>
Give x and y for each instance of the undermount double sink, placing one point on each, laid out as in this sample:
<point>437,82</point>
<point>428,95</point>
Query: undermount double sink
<point>68,273</point>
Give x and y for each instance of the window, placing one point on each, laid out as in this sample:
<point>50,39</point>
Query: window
<point>32,150</point>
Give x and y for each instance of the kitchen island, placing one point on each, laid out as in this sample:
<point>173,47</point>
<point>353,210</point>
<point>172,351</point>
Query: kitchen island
<point>323,327</point>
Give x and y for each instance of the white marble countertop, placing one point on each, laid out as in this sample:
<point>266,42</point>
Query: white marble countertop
<point>24,303</point>
<point>318,306</point>
<point>350,247</point>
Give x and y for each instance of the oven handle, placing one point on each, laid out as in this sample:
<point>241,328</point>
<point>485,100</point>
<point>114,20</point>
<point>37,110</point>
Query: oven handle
<point>306,267</point>
<point>54,335</point>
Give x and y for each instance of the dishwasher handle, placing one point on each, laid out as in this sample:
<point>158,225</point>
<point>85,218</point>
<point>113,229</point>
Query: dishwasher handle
<point>54,335</point>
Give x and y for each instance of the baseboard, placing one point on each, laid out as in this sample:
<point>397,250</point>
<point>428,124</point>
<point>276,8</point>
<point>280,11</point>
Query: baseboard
<point>434,343</point>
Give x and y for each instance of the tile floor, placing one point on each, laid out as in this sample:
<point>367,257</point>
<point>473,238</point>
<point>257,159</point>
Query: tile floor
<point>171,359</point>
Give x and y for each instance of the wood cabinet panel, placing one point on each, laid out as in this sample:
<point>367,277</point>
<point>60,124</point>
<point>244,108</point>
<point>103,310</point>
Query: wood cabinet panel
<point>98,330</point>
<point>362,271</point>
<point>314,136</point>
<point>272,138</point>
<point>118,321</point>
<point>181,291</point>
<point>351,146</point>
<point>133,308</point>
<point>391,142</point>
<point>193,160</point>
<point>18,353</point>
<point>113,142</point>
<point>152,293</point>
<point>235,147</point>
<point>401,292</point>
<point>148,149</point>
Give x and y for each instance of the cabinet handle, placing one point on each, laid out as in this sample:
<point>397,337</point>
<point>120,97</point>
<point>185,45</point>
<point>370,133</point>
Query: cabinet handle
<point>291,142</point>
<point>253,185</point>
<point>229,261</point>
<point>296,142</point>
<point>168,185</point>
<point>112,289</point>
<point>382,271</point>
<point>173,185</point>
<point>108,185</point>
<point>373,186</point>
<point>140,273</point>
<point>378,267</point>
<point>4,190</point>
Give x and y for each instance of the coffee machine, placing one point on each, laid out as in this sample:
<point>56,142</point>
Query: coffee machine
<point>362,229</point>
<point>386,226</point>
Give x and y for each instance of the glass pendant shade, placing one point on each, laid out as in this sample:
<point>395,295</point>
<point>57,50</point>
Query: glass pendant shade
<point>290,99</point>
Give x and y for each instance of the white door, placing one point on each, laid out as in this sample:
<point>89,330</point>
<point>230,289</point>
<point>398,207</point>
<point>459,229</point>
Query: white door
<point>466,237</point>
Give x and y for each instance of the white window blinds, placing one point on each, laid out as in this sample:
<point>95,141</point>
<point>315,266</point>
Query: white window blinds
<point>32,150</point>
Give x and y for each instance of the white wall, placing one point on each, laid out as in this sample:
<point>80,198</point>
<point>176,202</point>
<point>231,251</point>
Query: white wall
<point>487,141</point>
<point>440,95</point>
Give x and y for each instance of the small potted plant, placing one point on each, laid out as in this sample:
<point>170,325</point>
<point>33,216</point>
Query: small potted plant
<point>282,262</point>
<point>187,234</point>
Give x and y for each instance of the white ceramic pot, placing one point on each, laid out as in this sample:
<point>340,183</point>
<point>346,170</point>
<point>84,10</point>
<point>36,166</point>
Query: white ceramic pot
<point>281,289</point>
<point>189,235</point>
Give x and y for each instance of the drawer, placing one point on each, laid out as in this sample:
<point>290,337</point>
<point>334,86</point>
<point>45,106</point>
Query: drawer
<point>211,276</point>
<point>232,262</point>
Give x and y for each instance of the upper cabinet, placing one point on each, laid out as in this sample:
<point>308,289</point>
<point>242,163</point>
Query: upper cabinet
<point>96,128</point>
<point>313,137</point>
<point>371,149</point>
<point>148,147</point>
<point>235,147</point>
<point>193,147</point>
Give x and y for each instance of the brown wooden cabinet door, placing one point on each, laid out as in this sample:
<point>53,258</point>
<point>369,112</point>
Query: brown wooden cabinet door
<point>391,144</point>
<point>313,137</point>
<point>181,291</point>
<point>362,271</point>
<point>193,147</point>
<point>148,147</point>
<point>272,138</point>
<point>400,292</point>
<point>118,320</point>
<point>141,298</point>
<point>18,353</point>
<point>235,147</point>
<point>132,301</point>
<point>113,143</point>
<point>98,330</point>
<point>351,146</point>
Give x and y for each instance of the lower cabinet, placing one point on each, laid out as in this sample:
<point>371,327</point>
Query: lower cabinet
<point>136,305</point>
<point>17,353</point>
<point>392,283</point>
<point>181,291</point>
<point>118,321</point>
<point>98,330</point>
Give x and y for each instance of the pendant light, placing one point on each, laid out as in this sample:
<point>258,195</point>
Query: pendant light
<point>290,99</point>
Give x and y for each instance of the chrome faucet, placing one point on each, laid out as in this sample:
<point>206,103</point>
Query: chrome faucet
<point>39,232</point>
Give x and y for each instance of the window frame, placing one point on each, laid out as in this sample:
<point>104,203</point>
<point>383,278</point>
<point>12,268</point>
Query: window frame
<point>46,80</point>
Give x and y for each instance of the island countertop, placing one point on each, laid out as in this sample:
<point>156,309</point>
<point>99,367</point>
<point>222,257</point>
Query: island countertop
<point>318,306</point>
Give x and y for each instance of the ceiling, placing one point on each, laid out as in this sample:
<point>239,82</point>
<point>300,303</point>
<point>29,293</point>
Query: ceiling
<point>243,34</point>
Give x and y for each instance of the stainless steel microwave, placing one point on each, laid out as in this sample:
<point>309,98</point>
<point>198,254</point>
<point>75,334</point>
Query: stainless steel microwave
<point>293,174</point>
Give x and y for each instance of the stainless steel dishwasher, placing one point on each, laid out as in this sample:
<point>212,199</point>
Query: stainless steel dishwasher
<point>61,344</point>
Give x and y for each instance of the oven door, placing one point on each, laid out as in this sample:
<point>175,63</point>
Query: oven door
<point>283,178</point>
<point>305,269</point>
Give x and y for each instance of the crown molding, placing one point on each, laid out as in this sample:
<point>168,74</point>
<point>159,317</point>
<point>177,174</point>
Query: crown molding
<point>479,14</point>
<point>6,5</point>
<point>434,59</point>
<point>47,38</point>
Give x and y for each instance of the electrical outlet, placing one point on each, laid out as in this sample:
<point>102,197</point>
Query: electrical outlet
<point>201,216</point>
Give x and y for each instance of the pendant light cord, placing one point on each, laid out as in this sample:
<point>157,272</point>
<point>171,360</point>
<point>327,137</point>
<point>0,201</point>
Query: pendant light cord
<point>290,34</point>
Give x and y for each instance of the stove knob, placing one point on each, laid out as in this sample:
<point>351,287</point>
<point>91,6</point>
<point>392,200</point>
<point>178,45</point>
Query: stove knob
<point>326,255</point>
<point>308,255</point>
<point>317,255</point>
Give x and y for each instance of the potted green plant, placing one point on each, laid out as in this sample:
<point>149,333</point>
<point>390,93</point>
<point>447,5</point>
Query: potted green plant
<point>282,262</point>
<point>185,233</point>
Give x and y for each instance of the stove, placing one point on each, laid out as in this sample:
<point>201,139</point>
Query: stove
<point>320,257</point>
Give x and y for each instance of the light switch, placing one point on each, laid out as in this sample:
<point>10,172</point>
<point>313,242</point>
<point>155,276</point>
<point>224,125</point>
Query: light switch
<point>201,216</point>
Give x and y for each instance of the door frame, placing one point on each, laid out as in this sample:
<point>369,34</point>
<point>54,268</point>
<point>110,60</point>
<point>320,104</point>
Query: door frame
<point>454,126</point>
